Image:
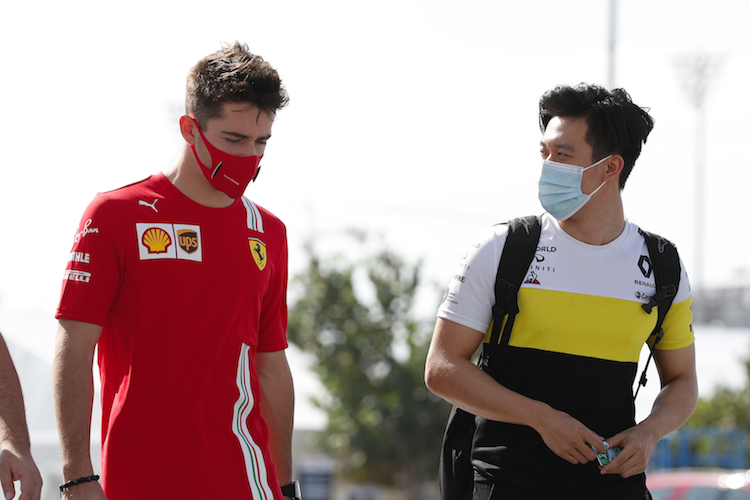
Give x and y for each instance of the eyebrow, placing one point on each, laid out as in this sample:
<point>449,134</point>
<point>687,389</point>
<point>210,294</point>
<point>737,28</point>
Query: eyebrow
<point>243,136</point>
<point>560,145</point>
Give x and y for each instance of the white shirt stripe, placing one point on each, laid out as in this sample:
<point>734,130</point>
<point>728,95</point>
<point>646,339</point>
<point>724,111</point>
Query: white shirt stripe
<point>254,219</point>
<point>255,463</point>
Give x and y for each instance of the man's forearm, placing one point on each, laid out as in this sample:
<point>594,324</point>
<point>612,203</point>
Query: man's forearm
<point>73,394</point>
<point>280,423</point>
<point>671,409</point>
<point>277,403</point>
<point>679,395</point>
<point>14,433</point>
<point>16,463</point>
<point>673,406</point>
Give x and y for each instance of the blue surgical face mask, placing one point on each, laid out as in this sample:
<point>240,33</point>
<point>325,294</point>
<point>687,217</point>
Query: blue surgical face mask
<point>560,188</point>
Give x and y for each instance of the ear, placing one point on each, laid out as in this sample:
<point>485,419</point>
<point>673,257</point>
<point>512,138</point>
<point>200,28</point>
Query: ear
<point>188,129</point>
<point>614,167</point>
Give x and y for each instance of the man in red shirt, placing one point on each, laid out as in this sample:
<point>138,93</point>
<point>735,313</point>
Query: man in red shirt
<point>181,282</point>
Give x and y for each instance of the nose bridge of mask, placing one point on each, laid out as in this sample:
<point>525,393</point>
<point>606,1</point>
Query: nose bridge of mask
<point>567,167</point>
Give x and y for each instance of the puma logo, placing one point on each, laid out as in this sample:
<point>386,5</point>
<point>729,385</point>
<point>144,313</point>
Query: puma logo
<point>147,204</point>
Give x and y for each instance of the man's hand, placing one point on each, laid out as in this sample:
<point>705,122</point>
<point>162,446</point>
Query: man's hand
<point>19,467</point>
<point>637,443</point>
<point>568,438</point>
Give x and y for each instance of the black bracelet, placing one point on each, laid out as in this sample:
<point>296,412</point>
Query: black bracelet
<point>80,480</point>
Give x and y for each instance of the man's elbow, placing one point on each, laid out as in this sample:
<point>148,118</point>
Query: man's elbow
<point>435,376</point>
<point>692,390</point>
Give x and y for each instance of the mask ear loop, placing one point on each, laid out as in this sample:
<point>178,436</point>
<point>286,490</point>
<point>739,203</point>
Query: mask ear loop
<point>590,166</point>
<point>597,189</point>
<point>210,168</point>
<point>588,196</point>
<point>603,183</point>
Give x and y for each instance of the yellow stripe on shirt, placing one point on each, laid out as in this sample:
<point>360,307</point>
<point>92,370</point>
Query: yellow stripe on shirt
<point>593,326</point>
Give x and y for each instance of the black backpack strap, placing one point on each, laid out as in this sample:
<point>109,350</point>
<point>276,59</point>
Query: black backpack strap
<point>518,253</point>
<point>665,264</point>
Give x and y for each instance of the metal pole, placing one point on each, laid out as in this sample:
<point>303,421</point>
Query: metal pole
<point>696,74</point>
<point>612,43</point>
<point>699,195</point>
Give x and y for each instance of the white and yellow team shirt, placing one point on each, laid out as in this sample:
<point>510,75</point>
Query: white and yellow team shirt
<point>575,344</point>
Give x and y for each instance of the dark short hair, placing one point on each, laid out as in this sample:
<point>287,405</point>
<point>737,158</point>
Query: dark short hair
<point>233,74</point>
<point>615,124</point>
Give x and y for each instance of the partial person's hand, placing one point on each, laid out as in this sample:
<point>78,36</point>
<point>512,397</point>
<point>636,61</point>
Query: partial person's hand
<point>85,491</point>
<point>637,444</point>
<point>568,438</point>
<point>19,467</point>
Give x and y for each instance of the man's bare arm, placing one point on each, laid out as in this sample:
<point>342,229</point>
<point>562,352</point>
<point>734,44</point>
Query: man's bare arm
<point>277,403</point>
<point>73,386</point>
<point>16,463</point>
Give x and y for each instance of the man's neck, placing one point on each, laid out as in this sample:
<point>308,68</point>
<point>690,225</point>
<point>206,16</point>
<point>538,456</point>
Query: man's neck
<point>597,225</point>
<point>186,176</point>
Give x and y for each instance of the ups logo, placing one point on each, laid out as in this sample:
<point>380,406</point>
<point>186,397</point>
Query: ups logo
<point>188,240</point>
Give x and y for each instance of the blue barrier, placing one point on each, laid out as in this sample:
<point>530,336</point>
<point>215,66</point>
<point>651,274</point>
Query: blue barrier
<point>701,447</point>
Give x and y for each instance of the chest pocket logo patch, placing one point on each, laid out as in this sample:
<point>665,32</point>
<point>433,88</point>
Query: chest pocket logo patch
<point>258,250</point>
<point>156,240</point>
<point>163,240</point>
<point>188,240</point>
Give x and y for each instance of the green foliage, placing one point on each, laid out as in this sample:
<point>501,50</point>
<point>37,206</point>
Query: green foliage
<point>726,408</point>
<point>382,421</point>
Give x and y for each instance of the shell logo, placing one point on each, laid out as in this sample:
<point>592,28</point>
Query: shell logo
<point>156,240</point>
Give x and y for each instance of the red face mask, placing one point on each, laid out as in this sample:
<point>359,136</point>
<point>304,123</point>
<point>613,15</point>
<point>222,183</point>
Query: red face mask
<point>232,174</point>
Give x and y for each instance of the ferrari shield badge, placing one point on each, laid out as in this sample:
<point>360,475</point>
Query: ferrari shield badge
<point>258,250</point>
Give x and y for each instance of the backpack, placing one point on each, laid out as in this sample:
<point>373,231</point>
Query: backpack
<point>456,474</point>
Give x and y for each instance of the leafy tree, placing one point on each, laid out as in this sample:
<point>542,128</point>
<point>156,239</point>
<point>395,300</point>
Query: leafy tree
<point>716,418</point>
<point>726,408</point>
<point>382,421</point>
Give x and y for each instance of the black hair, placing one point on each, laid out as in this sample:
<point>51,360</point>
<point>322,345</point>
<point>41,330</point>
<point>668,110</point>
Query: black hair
<point>615,124</point>
<point>233,74</point>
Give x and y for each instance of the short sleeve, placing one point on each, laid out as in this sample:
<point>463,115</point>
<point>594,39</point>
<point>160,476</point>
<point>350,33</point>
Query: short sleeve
<point>95,265</point>
<point>273,316</point>
<point>471,292</point>
<point>678,324</point>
